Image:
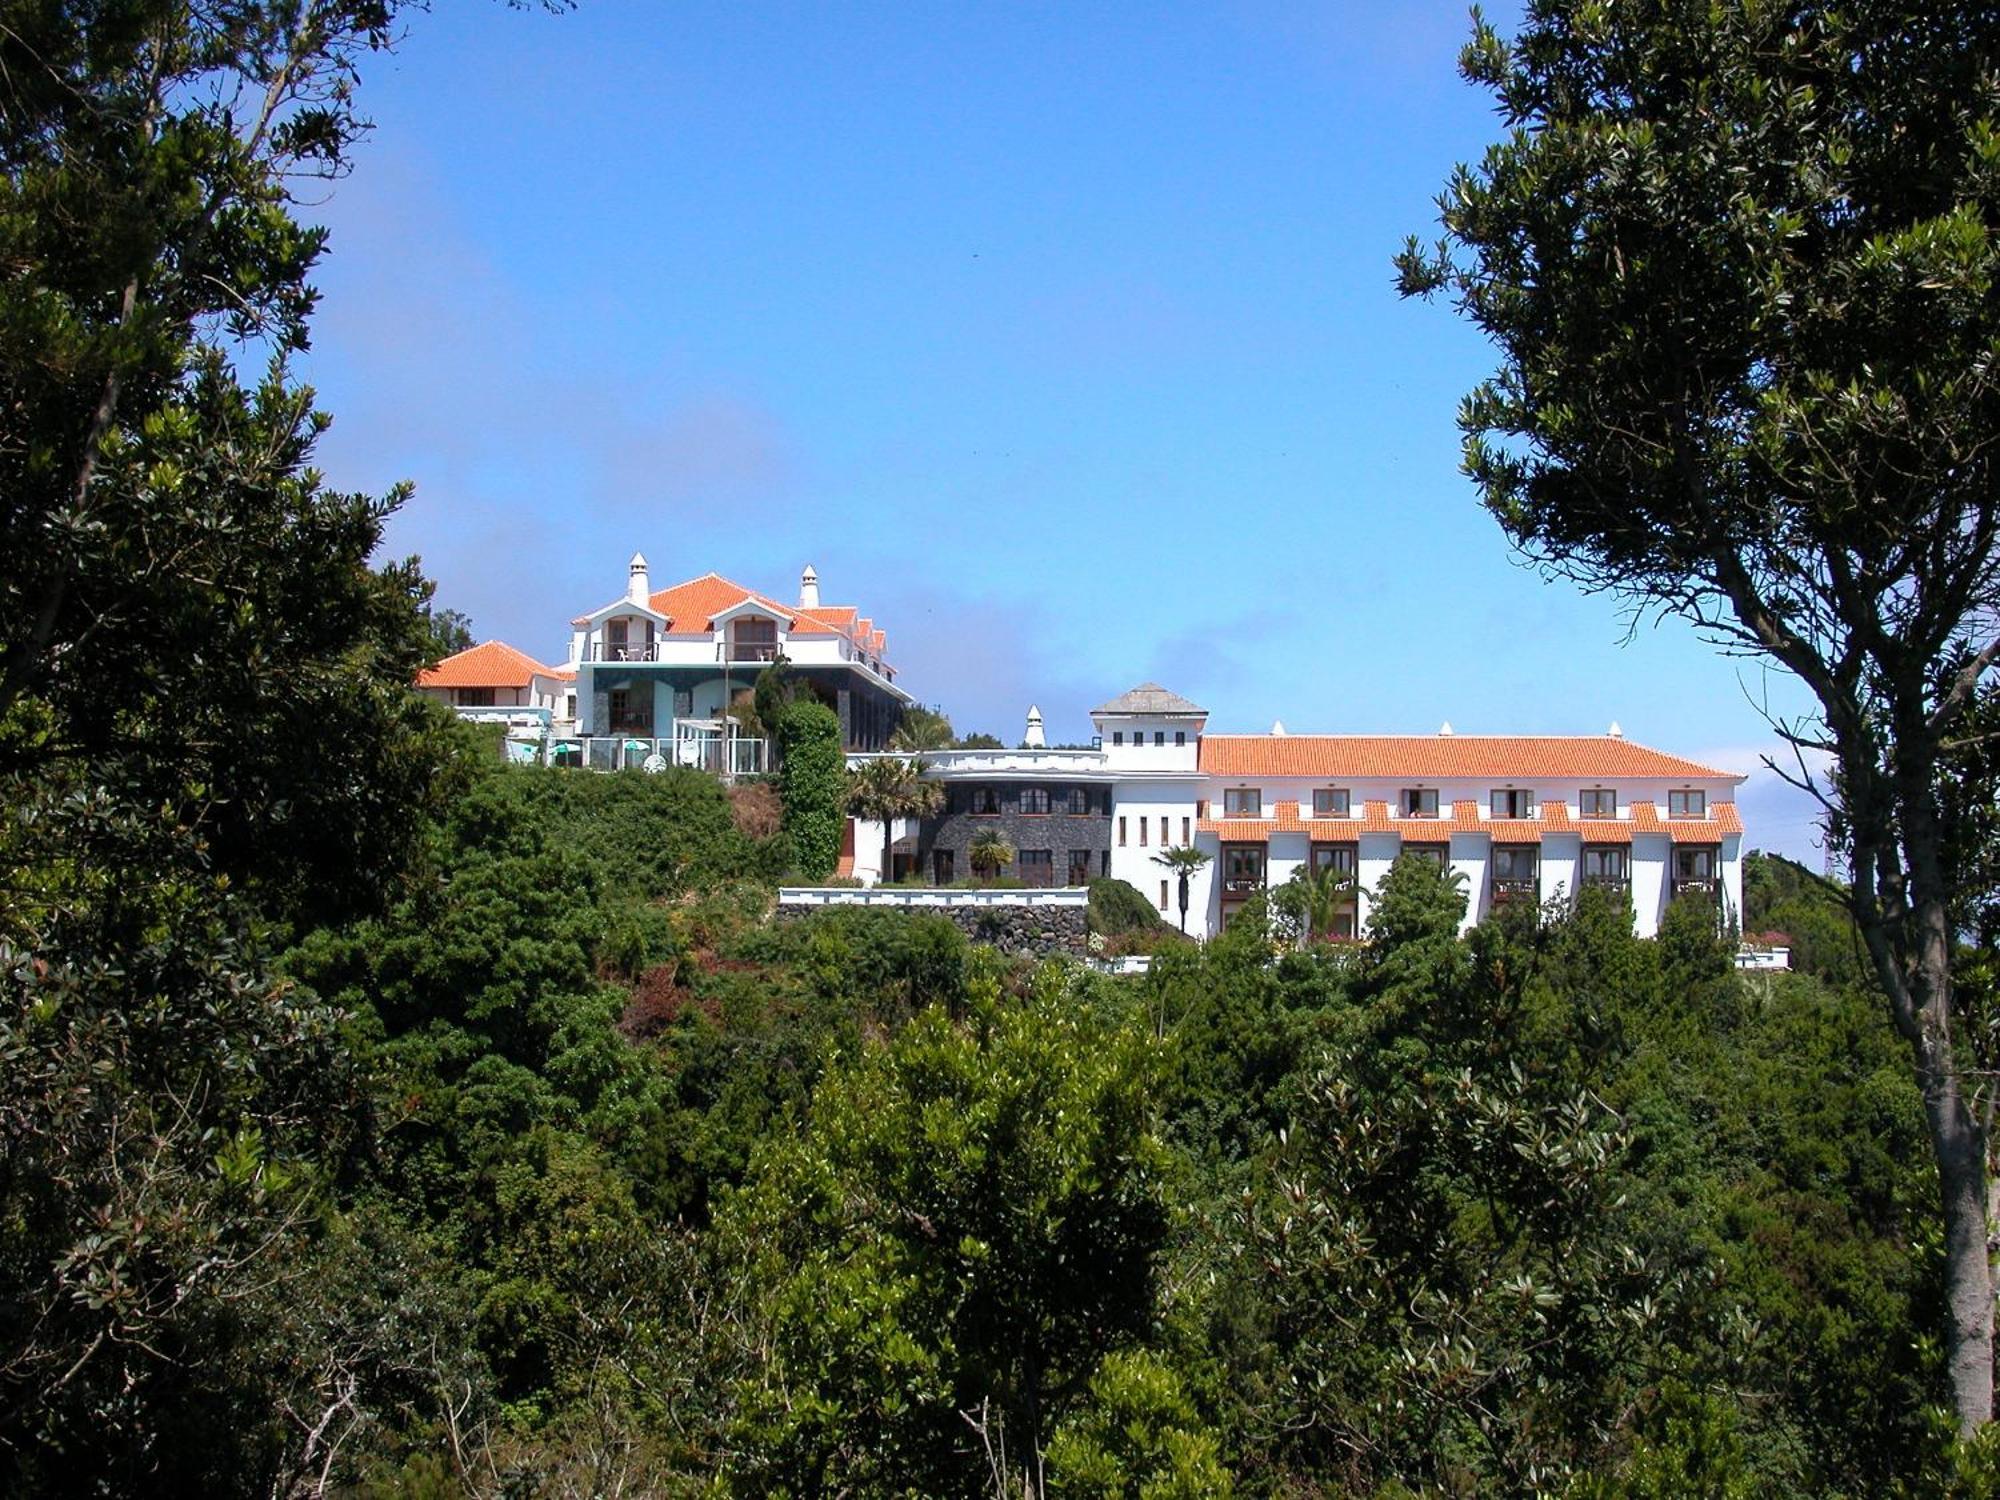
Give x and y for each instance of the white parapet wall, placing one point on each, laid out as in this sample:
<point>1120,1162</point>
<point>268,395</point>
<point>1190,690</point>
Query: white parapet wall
<point>931,896</point>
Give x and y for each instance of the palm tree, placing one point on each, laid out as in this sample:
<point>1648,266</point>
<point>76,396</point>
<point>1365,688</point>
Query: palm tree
<point>1183,861</point>
<point>1327,892</point>
<point>989,853</point>
<point>888,789</point>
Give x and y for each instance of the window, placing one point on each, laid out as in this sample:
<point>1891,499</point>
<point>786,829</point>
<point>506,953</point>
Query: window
<point>683,703</point>
<point>1104,861</point>
<point>1243,802</point>
<point>1606,864</point>
<point>1038,867</point>
<point>1187,830</point>
<point>1437,854</point>
<point>1686,804</point>
<point>1420,802</point>
<point>1121,833</point>
<point>1242,869</point>
<point>616,634</point>
<point>569,705</point>
<point>753,638</point>
<point>1330,802</point>
<point>1076,801</point>
<point>1510,802</point>
<point>1034,799</point>
<point>1514,870</point>
<point>1163,831</point>
<point>1696,865</point>
<point>475,697</point>
<point>941,863</point>
<point>1142,831</point>
<point>1117,736</point>
<point>1597,802</point>
<point>629,712</point>
<point>1339,858</point>
<point>1159,736</point>
<point>1163,895</point>
<point>1079,866</point>
<point>1180,736</point>
<point>985,801</point>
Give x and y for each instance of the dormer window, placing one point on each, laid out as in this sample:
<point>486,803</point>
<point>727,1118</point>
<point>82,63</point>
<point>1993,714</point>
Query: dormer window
<point>1597,802</point>
<point>1509,802</point>
<point>1330,802</point>
<point>1242,802</point>
<point>753,638</point>
<point>1687,804</point>
<point>1420,802</point>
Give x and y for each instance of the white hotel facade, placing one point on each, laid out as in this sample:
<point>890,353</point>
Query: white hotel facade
<point>650,678</point>
<point>1520,817</point>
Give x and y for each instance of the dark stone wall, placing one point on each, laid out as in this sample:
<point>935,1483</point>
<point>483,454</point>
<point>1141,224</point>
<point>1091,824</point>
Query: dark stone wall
<point>1029,931</point>
<point>1058,831</point>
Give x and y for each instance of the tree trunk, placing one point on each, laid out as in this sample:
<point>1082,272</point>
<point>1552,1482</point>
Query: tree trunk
<point>1968,1279</point>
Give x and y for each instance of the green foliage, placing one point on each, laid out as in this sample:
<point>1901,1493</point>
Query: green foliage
<point>989,853</point>
<point>978,741</point>
<point>922,729</point>
<point>968,1226</point>
<point>1116,910</point>
<point>812,784</point>
<point>451,632</point>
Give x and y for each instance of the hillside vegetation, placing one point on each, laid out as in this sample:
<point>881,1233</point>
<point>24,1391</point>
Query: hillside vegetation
<point>620,1187</point>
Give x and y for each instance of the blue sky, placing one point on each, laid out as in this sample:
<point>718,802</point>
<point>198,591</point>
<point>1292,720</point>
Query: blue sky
<point>1059,338</point>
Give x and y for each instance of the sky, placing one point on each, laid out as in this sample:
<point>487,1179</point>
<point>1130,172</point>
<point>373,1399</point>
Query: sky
<point>1061,339</point>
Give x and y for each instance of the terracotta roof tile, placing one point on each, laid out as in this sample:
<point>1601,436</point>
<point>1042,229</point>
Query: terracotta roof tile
<point>1464,820</point>
<point>1444,757</point>
<point>693,606</point>
<point>489,664</point>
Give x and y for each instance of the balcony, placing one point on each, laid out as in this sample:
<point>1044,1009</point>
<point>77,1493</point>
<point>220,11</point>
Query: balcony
<point>622,651</point>
<point>1514,888</point>
<point>698,744</point>
<point>1698,886</point>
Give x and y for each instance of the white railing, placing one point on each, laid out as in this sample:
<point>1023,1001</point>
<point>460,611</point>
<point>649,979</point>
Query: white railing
<point>993,762</point>
<point>911,895</point>
<point>736,755</point>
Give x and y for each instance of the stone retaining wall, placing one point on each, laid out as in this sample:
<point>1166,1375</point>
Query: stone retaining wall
<point>1012,927</point>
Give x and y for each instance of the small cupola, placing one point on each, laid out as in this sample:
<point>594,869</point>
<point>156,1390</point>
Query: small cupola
<point>1034,739</point>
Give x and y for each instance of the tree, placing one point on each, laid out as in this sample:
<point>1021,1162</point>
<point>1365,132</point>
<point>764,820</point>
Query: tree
<point>889,788</point>
<point>778,687</point>
<point>922,729</point>
<point>1184,860</point>
<point>978,741</point>
<point>1315,900</point>
<point>451,632</point>
<point>969,1223</point>
<point>989,853</point>
<point>812,785</point>
<point>1738,262</point>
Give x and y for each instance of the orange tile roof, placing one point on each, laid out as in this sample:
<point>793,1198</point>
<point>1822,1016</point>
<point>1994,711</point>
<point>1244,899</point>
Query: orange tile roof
<point>691,609</point>
<point>693,606</point>
<point>1444,757</point>
<point>1464,819</point>
<point>489,664</point>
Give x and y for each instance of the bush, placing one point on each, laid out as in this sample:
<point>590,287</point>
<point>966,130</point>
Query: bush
<point>1116,909</point>
<point>813,786</point>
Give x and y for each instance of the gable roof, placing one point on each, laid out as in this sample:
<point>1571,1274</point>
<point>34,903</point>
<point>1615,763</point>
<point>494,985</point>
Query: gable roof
<point>1149,698</point>
<point>693,606</point>
<point>1446,757</point>
<point>489,664</point>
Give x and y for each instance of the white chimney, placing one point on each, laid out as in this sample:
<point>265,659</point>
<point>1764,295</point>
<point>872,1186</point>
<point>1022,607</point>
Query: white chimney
<point>1614,731</point>
<point>1446,729</point>
<point>638,590</point>
<point>1034,739</point>
<point>1277,726</point>
<point>809,588</point>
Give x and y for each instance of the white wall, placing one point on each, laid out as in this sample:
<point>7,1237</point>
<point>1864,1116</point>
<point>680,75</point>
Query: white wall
<point>1652,855</point>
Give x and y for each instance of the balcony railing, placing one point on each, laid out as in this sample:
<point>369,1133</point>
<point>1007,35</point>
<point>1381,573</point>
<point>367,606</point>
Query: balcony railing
<point>1703,886</point>
<point>728,757</point>
<point>1513,888</point>
<point>1242,885</point>
<point>623,651</point>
